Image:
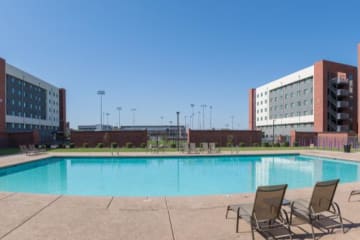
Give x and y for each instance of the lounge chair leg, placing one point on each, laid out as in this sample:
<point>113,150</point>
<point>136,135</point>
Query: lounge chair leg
<point>237,220</point>
<point>340,217</point>
<point>227,211</point>
<point>252,232</point>
<point>312,231</point>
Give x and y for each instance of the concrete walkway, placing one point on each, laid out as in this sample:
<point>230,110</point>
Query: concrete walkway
<point>34,216</point>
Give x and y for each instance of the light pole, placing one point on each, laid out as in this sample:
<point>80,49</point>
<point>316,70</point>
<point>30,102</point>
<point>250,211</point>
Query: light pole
<point>101,93</point>
<point>210,107</point>
<point>199,120</point>
<point>203,106</point>
<point>178,130</point>
<point>133,116</point>
<point>273,131</point>
<point>119,109</point>
<point>162,120</point>
<point>185,118</point>
<point>192,119</point>
<point>232,122</point>
<point>107,118</point>
<point>170,130</point>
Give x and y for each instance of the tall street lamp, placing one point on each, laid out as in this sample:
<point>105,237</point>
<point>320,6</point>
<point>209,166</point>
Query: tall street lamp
<point>107,118</point>
<point>101,93</point>
<point>133,116</point>
<point>119,109</point>
<point>192,118</point>
<point>232,122</point>
<point>178,130</point>
<point>203,115</point>
<point>273,128</point>
<point>210,107</point>
<point>162,120</point>
<point>199,119</point>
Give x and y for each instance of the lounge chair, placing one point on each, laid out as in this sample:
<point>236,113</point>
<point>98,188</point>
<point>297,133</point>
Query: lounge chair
<point>204,147</point>
<point>321,211</point>
<point>193,148</point>
<point>185,148</point>
<point>212,148</point>
<point>354,192</point>
<point>35,150</point>
<point>23,149</point>
<point>27,151</point>
<point>153,148</point>
<point>264,215</point>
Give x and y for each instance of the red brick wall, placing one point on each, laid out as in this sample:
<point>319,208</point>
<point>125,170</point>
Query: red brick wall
<point>62,109</point>
<point>2,95</point>
<point>23,138</point>
<point>3,140</point>
<point>302,138</point>
<point>333,140</point>
<point>252,94</point>
<point>220,137</point>
<point>321,72</point>
<point>322,139</point>
<point>107,137</point>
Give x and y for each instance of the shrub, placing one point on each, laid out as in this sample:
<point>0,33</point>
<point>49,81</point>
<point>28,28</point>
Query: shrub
<point>173,145</point>
<point>277,144</point>
<point>72,145</point>
<point>255,144</point>
<point>229,144</point>
<point>100,145</point>
<point>241,144</point>
<point>85,145</point>
<point>296,144</point>
<point>143,145</point>
<point>265,144</point>
<point>114,145</point>
<point>284,144</point>
<point>128,145</point>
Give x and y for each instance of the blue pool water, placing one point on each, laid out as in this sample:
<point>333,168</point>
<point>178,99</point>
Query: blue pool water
<point>159,176</point>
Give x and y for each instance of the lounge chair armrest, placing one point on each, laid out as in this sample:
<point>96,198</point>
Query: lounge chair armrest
<point>284,217</point>
<point>336,207</point>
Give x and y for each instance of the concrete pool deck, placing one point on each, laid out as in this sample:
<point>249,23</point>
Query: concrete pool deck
<point>37,216</point>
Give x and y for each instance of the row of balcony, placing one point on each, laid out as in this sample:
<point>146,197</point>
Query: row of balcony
<point>339,80</point>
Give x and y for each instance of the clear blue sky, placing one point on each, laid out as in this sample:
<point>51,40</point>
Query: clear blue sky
<point>161,56</point>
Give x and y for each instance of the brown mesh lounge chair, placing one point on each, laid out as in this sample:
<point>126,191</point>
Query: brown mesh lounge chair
<point>321,211</point>
<point>354,192</point>
<point>264,215</point>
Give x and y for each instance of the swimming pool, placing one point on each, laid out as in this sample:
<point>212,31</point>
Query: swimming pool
<point>171,176</point>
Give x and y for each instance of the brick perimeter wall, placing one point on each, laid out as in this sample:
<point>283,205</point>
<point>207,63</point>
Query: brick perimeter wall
<point>322,139</point>
<point>137,138</point>
<point>220,137</point>
<point>23,138</point>
<point>302,138</point>
<point>3,140</point>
